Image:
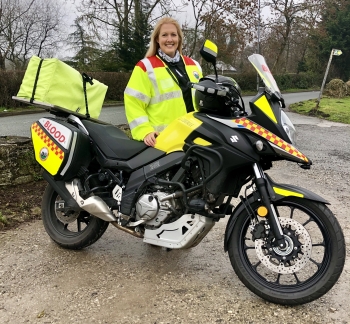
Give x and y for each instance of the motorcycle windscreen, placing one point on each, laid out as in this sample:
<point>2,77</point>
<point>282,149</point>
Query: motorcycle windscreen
<point>259,63</point>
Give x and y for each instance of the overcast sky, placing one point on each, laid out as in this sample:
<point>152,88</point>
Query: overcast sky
<point>185,16</point>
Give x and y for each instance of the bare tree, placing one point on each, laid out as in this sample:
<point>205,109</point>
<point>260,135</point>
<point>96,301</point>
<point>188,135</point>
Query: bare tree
<point>28,27</point>
<point>290,23</point>
<point>10,17</point>
<point>114,17</point>
<point>229,23</point>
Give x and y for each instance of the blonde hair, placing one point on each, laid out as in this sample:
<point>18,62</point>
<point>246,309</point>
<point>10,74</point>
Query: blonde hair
<point>153,48</point>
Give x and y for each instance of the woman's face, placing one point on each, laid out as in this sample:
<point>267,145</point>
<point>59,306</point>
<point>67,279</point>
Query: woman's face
<point>168,39</point>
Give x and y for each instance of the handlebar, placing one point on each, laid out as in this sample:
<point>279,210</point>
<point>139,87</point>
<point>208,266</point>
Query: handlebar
<point>212,91</point>
<point>230,99</point>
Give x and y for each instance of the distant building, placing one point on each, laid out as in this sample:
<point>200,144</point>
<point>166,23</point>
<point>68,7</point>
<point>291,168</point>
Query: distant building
<point>224,68</point>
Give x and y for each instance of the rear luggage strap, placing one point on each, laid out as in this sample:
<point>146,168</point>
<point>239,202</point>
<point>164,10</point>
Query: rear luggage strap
<point>36,80</point>
<point>86,78</point>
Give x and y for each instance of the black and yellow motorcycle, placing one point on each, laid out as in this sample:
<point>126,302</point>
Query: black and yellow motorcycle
<point>283,241</point>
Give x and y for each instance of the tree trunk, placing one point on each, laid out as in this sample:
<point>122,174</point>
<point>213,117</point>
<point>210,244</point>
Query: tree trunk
<point>2,62</point>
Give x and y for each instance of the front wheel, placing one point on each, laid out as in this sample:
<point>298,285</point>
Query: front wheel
<point>306,269</point>
<point>70,229</point>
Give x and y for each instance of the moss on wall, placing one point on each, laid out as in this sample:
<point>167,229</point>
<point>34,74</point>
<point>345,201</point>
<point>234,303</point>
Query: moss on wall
<point>17,163</point>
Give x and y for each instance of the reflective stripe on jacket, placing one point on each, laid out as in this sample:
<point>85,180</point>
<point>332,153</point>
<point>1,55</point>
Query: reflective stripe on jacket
<point>152,98</point>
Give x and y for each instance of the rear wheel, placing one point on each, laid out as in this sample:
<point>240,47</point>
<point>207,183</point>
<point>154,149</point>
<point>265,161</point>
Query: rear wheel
<point>306,269</point>
<point>68,228</point>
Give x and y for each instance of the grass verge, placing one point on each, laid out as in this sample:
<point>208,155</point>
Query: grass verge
<point>3,219</point>
<point>20,109</point>
<point>332,109</point>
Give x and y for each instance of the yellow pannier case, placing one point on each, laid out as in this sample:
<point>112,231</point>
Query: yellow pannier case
<point>62,149</point>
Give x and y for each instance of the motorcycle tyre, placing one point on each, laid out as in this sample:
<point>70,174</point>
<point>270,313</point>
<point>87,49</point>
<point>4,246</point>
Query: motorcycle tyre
<point>72,240</point>
<point>255,284</point>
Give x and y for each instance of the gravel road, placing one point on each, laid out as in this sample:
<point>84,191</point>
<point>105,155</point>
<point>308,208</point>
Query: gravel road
<point>122,280</point>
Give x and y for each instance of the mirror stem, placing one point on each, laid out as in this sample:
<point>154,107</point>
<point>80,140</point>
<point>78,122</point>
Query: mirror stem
<point>216,74</point>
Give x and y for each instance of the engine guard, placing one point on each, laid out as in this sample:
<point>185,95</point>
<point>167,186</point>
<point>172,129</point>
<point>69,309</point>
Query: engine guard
<point>184,233</point>
<point>277,192</point>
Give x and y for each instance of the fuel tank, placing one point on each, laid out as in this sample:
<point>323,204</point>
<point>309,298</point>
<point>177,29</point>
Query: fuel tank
<point>199,129</point>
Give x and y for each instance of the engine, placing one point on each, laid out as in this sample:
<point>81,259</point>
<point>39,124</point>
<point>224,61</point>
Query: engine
<point>153,210</point>
<point>156,206</point>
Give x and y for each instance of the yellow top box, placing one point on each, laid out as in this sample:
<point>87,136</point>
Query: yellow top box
<point>61,85</point>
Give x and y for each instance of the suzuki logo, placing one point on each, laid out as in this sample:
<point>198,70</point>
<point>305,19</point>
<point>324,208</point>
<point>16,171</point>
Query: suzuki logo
<point>234,139</point>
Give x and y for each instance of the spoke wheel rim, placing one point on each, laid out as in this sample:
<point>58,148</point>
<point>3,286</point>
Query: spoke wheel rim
<point>276,285</point>
<point>72,226</point>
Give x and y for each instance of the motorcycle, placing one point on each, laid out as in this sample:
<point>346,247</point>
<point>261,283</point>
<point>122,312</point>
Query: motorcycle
<point>283,241</point>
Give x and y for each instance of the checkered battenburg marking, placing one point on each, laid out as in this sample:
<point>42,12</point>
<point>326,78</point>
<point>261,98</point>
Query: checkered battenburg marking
<point>51,145</point>
<point>271,137</point>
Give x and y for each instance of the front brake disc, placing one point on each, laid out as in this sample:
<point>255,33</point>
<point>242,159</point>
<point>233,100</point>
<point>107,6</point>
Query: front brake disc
<point>269,257</point>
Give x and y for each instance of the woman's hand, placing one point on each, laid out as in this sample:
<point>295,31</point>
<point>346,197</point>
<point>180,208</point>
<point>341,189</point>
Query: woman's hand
<point>150,138</point>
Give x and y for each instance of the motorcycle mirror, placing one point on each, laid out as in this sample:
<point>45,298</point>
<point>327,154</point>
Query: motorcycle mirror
<point>209,52</point>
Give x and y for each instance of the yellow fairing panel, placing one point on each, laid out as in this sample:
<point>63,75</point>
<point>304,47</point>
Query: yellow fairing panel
<point>283,192</point>
<point>263,104</point>
<point>172,138</point>
<point>201,141</point>
<point>47,153</point>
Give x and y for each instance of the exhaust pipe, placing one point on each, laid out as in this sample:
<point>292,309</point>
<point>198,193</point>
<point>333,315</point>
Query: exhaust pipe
<point>94,205</point>
<point>128,230</point>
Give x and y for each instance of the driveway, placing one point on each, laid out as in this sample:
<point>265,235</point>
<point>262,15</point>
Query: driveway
<point>120,279</point>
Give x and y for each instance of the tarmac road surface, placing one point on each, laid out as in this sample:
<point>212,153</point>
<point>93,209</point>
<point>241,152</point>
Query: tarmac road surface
<point>20,125</point>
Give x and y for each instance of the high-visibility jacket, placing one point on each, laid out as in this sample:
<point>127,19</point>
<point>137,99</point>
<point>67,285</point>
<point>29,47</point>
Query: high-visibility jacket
<point>152,98</point>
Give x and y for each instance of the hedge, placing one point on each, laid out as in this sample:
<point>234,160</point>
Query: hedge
<point>248,81</point>
<point>11,82</point>
<point>116,82</point>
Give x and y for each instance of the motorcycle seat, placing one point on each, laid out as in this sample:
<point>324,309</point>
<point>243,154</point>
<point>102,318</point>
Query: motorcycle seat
<point>112,141</point>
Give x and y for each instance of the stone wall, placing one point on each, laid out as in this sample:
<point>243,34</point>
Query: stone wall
<point>17,163</point>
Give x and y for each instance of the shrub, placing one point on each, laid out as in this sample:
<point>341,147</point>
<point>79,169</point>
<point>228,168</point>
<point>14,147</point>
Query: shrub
<point>336,88</point>
<point>347,86</point>
<point>246,81</point>
<point>303,80</point>
<point>9,86</point>
<point>116,82</point>
<point>11,82</point>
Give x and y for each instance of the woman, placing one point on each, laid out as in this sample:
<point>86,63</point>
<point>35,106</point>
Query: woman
<point>158,91</point>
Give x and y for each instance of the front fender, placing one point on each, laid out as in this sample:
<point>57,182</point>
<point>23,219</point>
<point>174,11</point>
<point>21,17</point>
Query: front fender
<point>277,192</point>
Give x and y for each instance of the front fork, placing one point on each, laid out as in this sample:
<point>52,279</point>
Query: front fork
<point>274,223</point>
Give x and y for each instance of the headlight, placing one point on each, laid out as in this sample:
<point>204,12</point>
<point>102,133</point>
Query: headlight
<point>288,127</point>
